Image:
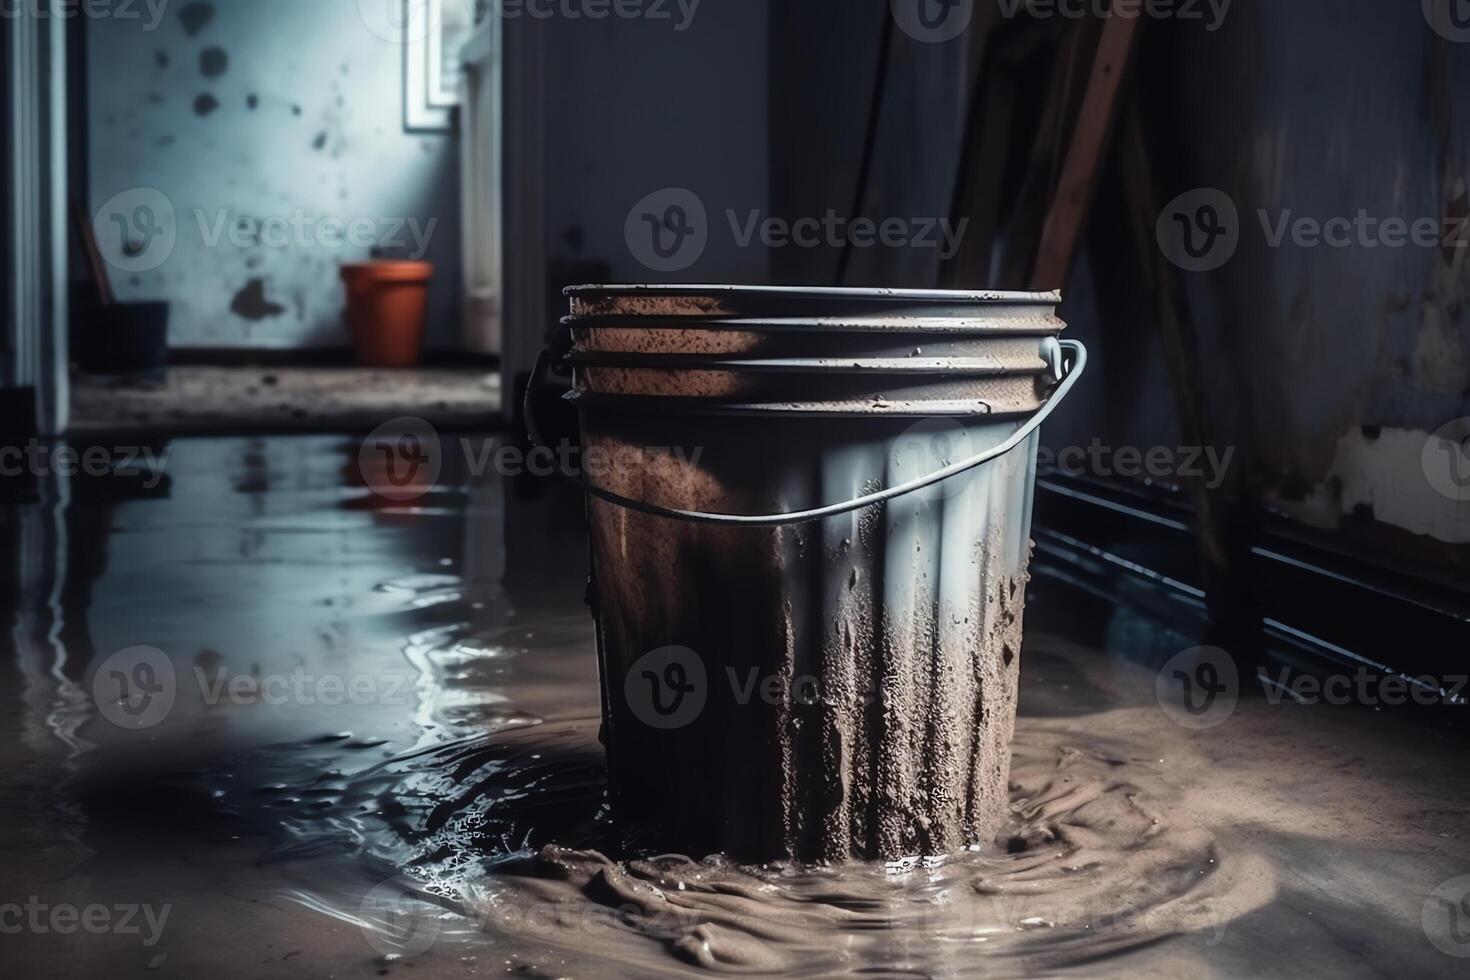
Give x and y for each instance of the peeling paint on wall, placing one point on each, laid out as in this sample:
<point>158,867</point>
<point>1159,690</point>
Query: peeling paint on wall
<point>1311,351</point>
<point>250,302</point>
<point>195,17</point>
<point>1381,474</point>
<point>213,62</point>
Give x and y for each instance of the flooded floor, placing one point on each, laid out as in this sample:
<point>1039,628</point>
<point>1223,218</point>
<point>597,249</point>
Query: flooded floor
<point>370,749</point>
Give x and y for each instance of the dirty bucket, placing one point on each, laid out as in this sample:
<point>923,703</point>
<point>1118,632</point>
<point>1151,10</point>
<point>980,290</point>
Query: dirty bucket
<point>810,513</point>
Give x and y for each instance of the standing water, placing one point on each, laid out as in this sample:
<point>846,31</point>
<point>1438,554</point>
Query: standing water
<point>450,818</point>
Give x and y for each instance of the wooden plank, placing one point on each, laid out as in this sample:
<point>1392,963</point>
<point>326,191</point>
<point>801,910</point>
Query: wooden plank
<point>1079,177</point>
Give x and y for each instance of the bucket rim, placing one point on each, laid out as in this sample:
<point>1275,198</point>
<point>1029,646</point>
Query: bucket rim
<point>609,405</point>
<point>1038,326</point>
<point>966,366</point>
<point>873,293</point>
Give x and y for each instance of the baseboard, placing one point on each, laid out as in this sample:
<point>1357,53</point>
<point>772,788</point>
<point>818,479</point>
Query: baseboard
<point>1310,594</point>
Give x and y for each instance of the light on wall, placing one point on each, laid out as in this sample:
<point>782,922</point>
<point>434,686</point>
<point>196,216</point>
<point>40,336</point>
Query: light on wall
<point>434,32</point>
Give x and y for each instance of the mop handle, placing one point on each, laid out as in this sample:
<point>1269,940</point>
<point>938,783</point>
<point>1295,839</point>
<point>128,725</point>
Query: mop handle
<point>1072,372</point>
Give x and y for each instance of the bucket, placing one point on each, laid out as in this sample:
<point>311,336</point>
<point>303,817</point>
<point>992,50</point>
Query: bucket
<point>809,513</point>
<point>387,302</point>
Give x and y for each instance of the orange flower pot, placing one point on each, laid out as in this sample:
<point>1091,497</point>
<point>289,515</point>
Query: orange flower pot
<point>387,305</point>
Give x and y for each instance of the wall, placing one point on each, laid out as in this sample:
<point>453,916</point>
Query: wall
<point>1325,369</point>
<point>1328,367</point>
<point>277,111</point>
<point>638,105</point>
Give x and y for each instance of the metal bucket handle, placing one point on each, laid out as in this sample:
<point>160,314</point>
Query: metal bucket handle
<point>1069,374</point>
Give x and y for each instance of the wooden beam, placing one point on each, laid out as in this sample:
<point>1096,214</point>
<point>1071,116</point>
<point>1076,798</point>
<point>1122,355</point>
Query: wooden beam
<point>1079,177</point>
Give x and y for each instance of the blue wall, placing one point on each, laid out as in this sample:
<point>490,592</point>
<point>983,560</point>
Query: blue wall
<point>304,113</point>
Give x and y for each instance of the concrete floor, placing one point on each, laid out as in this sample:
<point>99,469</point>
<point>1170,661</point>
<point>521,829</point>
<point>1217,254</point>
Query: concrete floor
<point>284,399</point>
